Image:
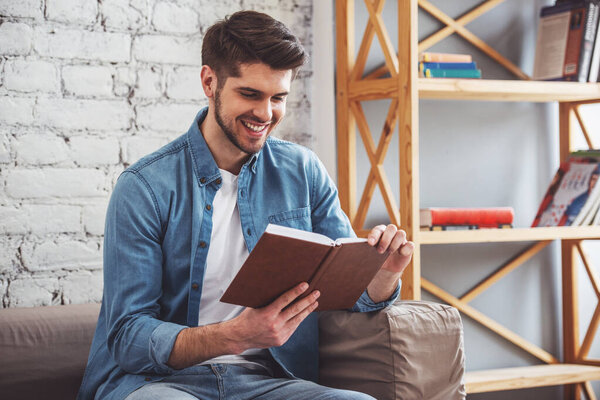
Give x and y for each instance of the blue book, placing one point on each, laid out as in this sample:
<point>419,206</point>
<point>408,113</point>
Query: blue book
<point>446,65</point>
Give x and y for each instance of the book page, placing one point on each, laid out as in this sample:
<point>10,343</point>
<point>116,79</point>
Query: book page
<point>551,45</point>
<point>299,234</point>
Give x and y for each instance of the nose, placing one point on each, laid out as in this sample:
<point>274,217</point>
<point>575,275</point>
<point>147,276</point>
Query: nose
<point>263,111</point>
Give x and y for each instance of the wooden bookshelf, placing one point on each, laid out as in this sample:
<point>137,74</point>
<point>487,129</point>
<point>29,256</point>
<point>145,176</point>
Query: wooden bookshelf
<point>399,81</point>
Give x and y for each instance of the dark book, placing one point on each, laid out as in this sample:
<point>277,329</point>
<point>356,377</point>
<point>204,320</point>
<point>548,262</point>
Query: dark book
<point>283,257</point>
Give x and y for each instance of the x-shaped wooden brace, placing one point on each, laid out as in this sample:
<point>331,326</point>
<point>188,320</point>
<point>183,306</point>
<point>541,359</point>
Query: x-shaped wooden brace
<point>376,156</point>
<point>458,26</point>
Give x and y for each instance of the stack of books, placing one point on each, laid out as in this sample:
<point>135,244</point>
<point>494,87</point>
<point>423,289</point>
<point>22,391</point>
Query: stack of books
<point>466,218</point>
<point>443,65</point>
<point>568,48</point>
<point>573,197</point>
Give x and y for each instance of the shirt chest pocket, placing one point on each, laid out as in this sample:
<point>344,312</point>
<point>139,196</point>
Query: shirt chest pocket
<point>298,218</point>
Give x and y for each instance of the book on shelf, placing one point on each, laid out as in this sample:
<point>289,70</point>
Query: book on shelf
<point>284,257</point>
<point>565,41</point>
<point>452,73</point>
<point>423,65</point>
<point>572,198</point>
<point>488,217</point>
<point>445,57</point>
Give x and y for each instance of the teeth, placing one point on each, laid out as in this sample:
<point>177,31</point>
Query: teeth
<point>255,128</point>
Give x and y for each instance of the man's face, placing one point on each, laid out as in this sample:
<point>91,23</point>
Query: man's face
<point>248,107</point>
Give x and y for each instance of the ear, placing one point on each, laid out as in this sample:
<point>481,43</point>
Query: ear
<point>208,77</point>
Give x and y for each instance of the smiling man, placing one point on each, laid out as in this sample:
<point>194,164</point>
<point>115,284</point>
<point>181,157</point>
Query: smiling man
<point>182,221</point>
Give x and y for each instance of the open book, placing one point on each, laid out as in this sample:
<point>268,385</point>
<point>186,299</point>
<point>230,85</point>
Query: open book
<point>284,257</point>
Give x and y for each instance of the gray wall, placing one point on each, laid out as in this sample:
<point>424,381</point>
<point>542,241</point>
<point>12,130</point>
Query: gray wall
<point>487,154</point>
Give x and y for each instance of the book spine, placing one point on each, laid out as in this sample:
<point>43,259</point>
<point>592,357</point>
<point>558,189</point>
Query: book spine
<point>587,42</point>
<point>481,217</point>
<point>446,65</point>
<point>452,73</point>
<point>574,44</point>
<point>595,62</point>
<point>313,282</point>
<point>445,57</point>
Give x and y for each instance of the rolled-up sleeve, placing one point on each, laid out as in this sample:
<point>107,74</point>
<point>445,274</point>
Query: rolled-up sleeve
<point>137,339</point>
<point>366,304</point>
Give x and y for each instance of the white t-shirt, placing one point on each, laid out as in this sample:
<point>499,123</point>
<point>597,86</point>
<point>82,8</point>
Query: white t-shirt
<point>226,254</point>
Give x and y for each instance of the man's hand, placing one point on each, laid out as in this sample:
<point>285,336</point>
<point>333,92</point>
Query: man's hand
<point>389,238</point>
<point>273,324</point>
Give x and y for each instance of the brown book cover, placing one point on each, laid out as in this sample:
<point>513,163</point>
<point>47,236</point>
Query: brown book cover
<point>283,257</point>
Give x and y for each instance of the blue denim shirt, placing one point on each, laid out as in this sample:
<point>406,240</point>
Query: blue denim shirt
<point>157,235</point>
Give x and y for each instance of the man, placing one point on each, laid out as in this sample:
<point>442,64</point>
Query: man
<point>181,222</point>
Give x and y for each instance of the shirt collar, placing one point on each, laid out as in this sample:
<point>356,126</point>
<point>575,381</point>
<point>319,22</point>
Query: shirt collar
<point>204,162</point>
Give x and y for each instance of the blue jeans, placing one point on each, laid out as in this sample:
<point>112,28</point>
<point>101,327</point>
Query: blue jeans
<point>233,382</point>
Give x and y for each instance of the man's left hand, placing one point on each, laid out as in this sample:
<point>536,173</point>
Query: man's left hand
<point>390,238</point>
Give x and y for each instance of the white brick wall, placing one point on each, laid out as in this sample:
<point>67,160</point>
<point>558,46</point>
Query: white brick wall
<point>88,87</point>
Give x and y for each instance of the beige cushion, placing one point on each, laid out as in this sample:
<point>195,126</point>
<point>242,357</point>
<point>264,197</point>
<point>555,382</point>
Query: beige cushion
<point>44,350</point>
<point>411,350</point>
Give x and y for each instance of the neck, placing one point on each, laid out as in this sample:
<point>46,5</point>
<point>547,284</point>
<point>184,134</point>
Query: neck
<point>226,154</point>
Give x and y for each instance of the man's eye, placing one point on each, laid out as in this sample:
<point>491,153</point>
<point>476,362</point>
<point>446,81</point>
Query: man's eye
<point>248,95</point>
<point>278,98</point>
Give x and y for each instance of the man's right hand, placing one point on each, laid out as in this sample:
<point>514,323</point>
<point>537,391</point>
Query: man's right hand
<point>273,324</point>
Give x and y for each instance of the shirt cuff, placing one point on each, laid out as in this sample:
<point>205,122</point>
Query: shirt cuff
<point>162,340</point>
<point>366,304</point>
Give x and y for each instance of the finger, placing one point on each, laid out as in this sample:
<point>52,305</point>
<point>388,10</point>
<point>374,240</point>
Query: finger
<point>294,322</point>
<point>386,238</point>
<point>288,297</point>
<point>300,305</point>
<point>375,234</point>
<point>407,249</point>
<point>398,240</point>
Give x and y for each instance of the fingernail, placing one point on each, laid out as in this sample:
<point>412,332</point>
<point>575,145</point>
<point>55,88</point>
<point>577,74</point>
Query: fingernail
<point>316,294</point>
<point>371,241</point>
<point>406,251</point>
<point>304,286</point>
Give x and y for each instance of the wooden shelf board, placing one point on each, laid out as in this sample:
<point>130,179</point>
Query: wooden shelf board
<point>508,235</point>
<point>506,90</point>
<point>527,377</point>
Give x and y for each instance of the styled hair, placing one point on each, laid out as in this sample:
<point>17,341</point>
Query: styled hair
<point>250,37</point>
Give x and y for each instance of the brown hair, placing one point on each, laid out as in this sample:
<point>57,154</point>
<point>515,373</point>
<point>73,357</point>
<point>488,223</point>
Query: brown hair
<point>250,37</point>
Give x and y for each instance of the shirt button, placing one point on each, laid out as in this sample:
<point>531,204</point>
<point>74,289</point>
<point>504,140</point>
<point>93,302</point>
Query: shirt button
<point>249,232</point>
<point>218,181</point>
<point>203,180</point>
<point>195,286</point>
<point>203,244</point>
<point>242,193</point>
<point>208,207</point>
<point>147,379</point>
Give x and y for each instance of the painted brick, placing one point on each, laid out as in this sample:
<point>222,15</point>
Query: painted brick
<point>5,156</point>
<point>184,83</point>
<point>21,8</point>
<point>174,18</point>
<point>136,147</point>
<point>168,49</point>
<point>93,218</point>
<point>16,110</point>
<point>9,249</point>
<point>123,15</point>
<point>31,76</point>
<point>40,219</point>
<point>149,84</point>
<point>88,80</point>
<point>167,117</point>
<point>81,44</point>
<point>15,39</point>
<point>40,149</point>
<point>92,151</point>
<point>73,11</point>
<point>29,291</point>
<point>84,114</point>
<point>217,10</point>
<point>55,182</point>
<point>69,254</point>
<point>82,287</point>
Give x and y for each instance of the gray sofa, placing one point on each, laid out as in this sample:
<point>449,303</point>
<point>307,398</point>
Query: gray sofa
<point>411,350</point>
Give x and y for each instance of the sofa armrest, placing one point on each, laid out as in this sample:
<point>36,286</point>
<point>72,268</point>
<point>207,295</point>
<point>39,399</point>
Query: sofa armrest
<point>44,350</point>
<point>410,350</point>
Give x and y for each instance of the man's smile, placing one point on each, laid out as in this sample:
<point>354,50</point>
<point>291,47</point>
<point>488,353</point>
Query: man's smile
<point>254,128</point>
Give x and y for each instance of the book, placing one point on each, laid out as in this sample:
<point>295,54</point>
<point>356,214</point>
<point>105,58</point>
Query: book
<point>283,257</point>
<point>452,73</point>
<point>446,65</point>
<point>565,41</point>
<point>570,193</point>
<point>490,217</point>
<point>445,57</point>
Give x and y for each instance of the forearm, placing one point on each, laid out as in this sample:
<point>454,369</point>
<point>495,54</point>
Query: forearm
<point>198,344</point>
<point>383,285</point>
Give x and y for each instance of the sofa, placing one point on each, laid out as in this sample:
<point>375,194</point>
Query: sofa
<point>410,350</point>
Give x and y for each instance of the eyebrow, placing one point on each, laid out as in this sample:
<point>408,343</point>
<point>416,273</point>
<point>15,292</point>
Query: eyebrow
<point>249,89</point>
